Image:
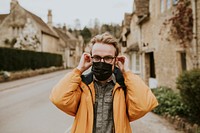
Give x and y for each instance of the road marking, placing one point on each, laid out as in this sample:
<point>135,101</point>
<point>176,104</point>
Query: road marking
<point>68,129</point>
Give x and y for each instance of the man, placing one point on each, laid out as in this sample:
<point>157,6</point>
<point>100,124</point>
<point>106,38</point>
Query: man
<point>107,99</point>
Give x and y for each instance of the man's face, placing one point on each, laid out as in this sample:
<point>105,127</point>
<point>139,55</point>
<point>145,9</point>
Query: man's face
<point>104,50</point>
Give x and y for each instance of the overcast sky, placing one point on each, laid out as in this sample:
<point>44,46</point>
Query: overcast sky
<point>67,11</point>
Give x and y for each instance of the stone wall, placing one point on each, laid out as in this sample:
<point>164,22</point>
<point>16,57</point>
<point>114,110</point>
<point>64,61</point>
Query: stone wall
<point>153,36</point>
<point>164,51</point>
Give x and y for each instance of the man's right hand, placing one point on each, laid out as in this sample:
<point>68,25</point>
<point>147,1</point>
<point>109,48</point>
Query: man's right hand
<point>85,62</point>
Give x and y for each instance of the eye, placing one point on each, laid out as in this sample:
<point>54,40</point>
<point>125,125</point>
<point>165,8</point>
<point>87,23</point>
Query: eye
<point>108,58</point>
<point>96,57</point>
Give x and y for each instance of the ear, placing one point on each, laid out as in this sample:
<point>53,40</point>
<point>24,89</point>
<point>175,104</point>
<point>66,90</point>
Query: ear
<point>121,59</point>
<point>116,60</point>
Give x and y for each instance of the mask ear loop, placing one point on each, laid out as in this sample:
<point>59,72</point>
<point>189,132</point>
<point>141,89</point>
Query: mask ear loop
<point>116,60</point>
<point>91,56</point>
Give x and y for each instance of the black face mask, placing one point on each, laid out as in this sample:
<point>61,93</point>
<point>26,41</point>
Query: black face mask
<point>102,70</point>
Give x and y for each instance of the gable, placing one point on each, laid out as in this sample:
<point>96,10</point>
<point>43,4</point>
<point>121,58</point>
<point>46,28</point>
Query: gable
<point>42,25</point>
<point>18,18</point>
<point>2,17</point>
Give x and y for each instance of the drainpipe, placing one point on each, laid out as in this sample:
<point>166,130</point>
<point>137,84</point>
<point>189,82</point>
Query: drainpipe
<point>42,47</point>
<point>142,62</point>
<point>195,34</point>
<point>197,46</point>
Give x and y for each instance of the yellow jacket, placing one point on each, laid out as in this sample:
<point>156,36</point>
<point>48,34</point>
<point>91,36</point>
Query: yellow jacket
<point>73,96</point>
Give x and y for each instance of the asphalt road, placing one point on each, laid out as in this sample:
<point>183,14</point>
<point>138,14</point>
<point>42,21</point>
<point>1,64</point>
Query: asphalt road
<point>25,108</point>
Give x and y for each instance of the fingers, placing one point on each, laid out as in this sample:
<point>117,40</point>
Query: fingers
<point>121,59</point>
<point>123,63</point>
<point>85,62</point>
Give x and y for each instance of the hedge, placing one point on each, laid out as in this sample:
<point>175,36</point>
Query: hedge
<point>189,85</point>
<point>15,59</point>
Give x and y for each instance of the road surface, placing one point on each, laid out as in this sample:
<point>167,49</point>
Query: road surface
<point>25,108</point>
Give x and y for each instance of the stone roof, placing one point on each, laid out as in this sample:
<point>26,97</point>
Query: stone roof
<point>2,17</point>
<point>67,37</point>
<point>61,34</point>
<point>43,26</point>
<point>132,47</point>
<point>71,36</point>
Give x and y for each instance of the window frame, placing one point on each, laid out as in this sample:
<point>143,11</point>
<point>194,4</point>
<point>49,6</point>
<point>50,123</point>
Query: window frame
<point>136,58</point>
<point>162,6</point>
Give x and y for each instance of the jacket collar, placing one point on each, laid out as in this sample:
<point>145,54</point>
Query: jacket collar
<point>88,78</point>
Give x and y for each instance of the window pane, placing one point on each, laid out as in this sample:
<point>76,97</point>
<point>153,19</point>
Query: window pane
<point>161,6</point>
<point>137,64</point>
<point>168,4</point>
<point>183,62</point>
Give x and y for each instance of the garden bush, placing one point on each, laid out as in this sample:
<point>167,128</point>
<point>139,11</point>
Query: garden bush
<point>169,102</point>
<point>189,85</point>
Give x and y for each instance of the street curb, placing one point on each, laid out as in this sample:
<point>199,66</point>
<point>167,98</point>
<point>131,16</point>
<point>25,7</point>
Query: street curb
<point>28,80</point>
<point>29,73</point>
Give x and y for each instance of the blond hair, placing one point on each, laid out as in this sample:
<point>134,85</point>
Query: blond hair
<point>106,38</point>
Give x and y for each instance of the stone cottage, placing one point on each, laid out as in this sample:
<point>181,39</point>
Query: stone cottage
<point>24,30</point>
<point>156,55</point>
<point>73,46</point>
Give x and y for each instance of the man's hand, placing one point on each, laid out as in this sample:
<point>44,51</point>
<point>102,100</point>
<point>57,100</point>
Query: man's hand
<point>85,62</point>
<point>123,63</point>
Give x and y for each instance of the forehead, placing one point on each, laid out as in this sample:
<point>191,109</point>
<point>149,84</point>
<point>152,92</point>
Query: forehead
<point>103,49</point>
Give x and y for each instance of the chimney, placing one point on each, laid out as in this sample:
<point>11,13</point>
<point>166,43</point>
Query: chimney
<point>64,28</point>
<point>142,7</point>
<point>49,22</point>
<point>13,3</point>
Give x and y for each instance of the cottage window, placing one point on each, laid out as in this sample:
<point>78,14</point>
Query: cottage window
<point>135,63</point>
<point>72,52</point>
<point>14,31</point>
<point>124,44</point>
<point>162,6</point>
<point>183,61</point>
<point>168,4</point>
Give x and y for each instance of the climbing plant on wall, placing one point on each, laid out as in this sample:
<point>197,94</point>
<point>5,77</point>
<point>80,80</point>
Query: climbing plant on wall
<point>28,39</point>
<point>181,23</point>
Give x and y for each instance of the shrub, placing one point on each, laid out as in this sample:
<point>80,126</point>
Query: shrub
<point>15,60</point>
<point>189,85</point>
<point>169,102</point>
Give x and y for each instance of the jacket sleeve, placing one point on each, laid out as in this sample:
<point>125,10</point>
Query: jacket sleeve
<point>67,93</point>
<point>139,98</point>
